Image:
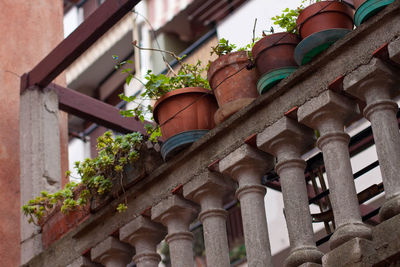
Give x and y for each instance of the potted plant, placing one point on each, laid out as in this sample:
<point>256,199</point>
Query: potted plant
<point>367,8</point>
<point>274,57</point>
<point>233,83</point>
<point>319,25</point>
<point>184,107</point>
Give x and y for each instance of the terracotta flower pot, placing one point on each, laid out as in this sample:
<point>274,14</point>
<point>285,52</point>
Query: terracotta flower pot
<point>274,53</point>
<point>56,224</point>
<point>324,15</point>
<point>235,92</point>
<point>184,110</point>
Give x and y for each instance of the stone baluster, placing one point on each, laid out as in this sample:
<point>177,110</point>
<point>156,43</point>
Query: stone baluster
<point>112,253</point>
<point>287,140</point>
<point>208,190</point>
<point>377,84</point>
<point>176,214</point>
<point>144,235</point>
<point>247,165</point>
<point>329,113</point>
<point>83,262</point>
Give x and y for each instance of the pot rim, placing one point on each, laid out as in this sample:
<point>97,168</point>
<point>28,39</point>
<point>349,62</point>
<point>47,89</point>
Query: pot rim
<point>287,39</point>
<point>179,91</point>
<point>226,60</point>
<point>328,6</point>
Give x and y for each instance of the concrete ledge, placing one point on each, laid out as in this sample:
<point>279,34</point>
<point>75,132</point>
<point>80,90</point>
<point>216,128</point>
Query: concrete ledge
<point>386,237</point>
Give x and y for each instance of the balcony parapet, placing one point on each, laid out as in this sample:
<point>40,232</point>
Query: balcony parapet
<point>309,82</point>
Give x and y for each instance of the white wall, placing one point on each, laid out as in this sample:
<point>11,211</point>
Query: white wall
<point>77,151</point>
<point>72,19</point>
<point>238,28</point>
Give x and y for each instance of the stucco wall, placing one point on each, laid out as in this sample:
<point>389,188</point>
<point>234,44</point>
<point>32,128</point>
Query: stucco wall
<point>24,42</point>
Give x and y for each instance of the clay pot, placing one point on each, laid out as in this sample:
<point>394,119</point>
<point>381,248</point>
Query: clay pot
<point>56,224</point>
<point>185,109</point>
<point>275,51</point>
<point>323,16</point>
<point>237,91</point>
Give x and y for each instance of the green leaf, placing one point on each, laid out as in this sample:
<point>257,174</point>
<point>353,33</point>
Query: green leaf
<point>129,78</point>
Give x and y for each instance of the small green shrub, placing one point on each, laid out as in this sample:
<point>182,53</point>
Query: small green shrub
<point>287,20</point>
<point>157,85</point>
<point>97,177</point>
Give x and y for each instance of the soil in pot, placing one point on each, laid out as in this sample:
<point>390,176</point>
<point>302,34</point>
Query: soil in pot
<point>274,58</point>
<point>320,25</point>
<point>185,115</point>
<point>238,90</point>
<point>368,8</point>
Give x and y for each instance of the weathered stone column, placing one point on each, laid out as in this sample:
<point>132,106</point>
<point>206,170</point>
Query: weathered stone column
<point>246,165</point>
<point>112,253</point>
<point>40,162</point>
<point>144,235</point>
<point>376,84</point>
<point>328,113</point>
<point>208,190</point>
<point>176,214</point>
<point>287,140</point>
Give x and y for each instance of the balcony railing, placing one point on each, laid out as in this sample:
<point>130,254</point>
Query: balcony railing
<point>358,76</point>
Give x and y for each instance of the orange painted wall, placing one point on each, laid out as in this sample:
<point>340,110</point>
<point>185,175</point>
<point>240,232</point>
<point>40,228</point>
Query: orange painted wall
<point>29,29</point>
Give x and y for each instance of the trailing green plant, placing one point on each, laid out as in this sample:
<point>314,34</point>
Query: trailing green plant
<point>287,20</point>
<point>98,175</point>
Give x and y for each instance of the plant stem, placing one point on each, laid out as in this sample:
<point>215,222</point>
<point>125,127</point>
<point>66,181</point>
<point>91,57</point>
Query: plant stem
<point>162,51</point>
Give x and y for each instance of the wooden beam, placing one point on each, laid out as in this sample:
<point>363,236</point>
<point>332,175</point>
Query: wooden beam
<point>94,110</point>
<point>109,13</point>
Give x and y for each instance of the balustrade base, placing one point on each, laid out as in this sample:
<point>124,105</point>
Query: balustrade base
<point>347,232</point>
<point>386,237</point>
<point>304,255</point>
<point>355,252</point>
<point>310,264</point>
<point>390,208</point>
